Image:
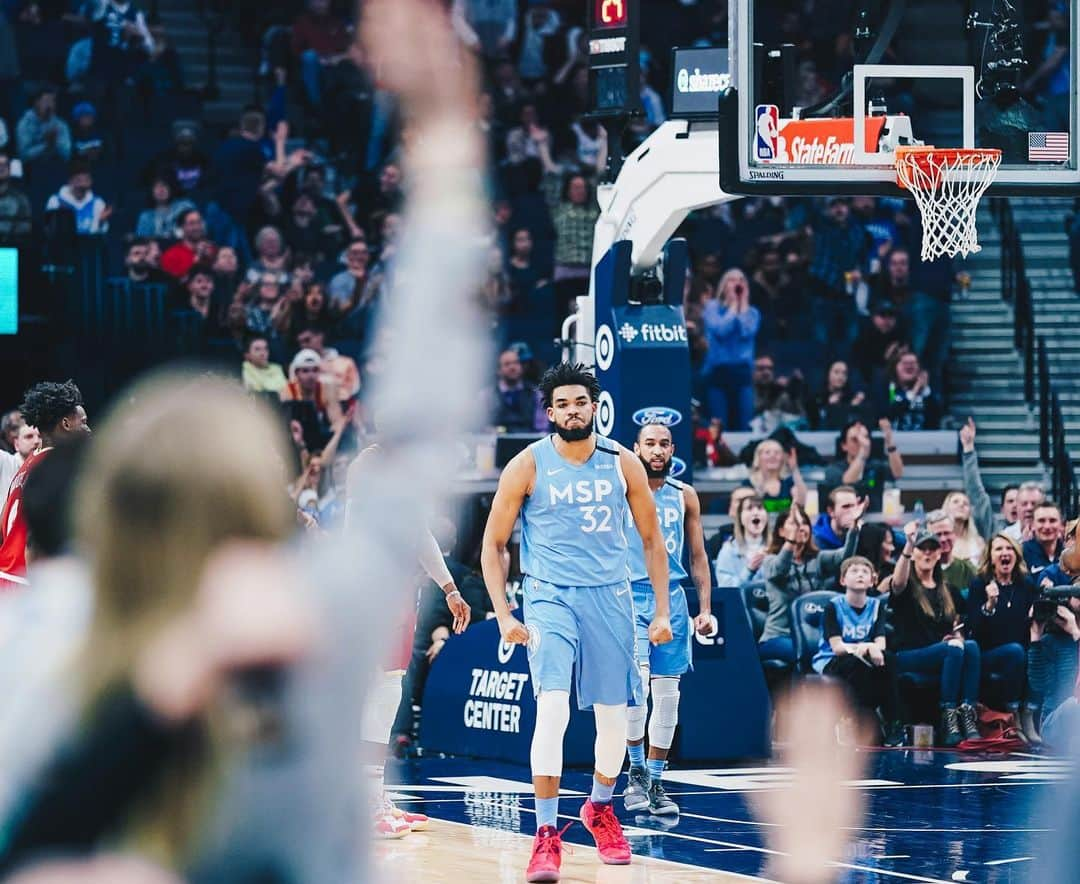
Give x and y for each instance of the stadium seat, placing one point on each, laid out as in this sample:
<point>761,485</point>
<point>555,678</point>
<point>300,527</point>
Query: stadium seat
<point>756,603</point>
<point>806,615</point>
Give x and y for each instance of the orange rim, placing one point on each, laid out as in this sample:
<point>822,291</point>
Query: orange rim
<point>952,156</point>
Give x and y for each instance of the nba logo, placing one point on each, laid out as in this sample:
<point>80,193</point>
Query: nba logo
<point>768,130</point>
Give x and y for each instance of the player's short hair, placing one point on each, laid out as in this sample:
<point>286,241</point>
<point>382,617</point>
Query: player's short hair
<point>648,425</point>
<point>852,561</point>
<point>568,374</point>
<point>48,403</point>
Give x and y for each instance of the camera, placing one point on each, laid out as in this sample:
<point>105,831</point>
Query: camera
<point>1048,599</point>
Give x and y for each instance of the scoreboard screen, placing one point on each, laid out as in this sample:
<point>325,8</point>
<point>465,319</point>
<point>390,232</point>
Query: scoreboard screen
<point>9,291</point>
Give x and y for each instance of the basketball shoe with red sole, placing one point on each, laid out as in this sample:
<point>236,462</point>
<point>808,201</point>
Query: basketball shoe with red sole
<point>546,859</point>
<point>600,820</point>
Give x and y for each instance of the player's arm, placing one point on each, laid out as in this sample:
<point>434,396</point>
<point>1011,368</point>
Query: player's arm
<point>515,483</point>
<point>434,565</point>
<point>699,560</point>
<point>643,508</point>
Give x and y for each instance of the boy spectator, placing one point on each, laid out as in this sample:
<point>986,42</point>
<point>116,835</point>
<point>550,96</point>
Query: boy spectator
<point>193,247</point>
<point>41,134</point>
<point>90,211</point>
<point>515,405</point>
<point>1045,546</point>
<point>832,526</point>
<point>853,647</point>
<point>856,466</point>
<point>260,375</point>
<point>16,213</point>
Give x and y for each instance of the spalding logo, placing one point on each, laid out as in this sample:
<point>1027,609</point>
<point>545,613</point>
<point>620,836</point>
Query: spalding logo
<point>678,467</point>
<point>657,414</point>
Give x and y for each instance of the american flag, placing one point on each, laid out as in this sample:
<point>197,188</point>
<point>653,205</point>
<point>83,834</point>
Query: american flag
<point>1048,147</point>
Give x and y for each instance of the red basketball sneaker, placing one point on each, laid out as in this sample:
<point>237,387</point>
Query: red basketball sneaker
<point>600,820</point>
<point>546,855</point>
<point>418,822</point>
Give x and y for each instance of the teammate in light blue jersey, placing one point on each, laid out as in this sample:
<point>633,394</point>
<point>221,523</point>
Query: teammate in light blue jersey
<point>679,512</point>
<point>576,492</point>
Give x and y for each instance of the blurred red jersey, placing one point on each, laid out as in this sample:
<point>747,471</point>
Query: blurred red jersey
<point>13,526</point>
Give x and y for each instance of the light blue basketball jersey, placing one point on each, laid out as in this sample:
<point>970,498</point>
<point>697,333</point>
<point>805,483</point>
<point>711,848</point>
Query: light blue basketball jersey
<point>855,627</point>
<point>573,524</point>
<point>671,510</point>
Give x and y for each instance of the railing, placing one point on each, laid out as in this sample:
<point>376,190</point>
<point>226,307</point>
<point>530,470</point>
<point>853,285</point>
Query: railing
<point>1039,392</point>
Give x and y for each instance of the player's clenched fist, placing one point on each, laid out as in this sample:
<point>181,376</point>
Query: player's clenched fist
<point>514,632</point>
<point>660,631</point>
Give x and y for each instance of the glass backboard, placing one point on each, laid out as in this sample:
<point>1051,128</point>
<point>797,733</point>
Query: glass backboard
<point>828,89</point>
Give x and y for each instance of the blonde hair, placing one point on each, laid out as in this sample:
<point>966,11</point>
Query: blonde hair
<point>729,275</point>
<point>986,564</point>
<point>969,543</point>
<point>756,478</point>
<point>156,499</point>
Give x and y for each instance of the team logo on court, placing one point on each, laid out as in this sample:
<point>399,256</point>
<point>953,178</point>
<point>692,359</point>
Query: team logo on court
<point>678,467</point>
<point>605,347</point>
<point>657,414</point>
<point>605,414</point>
<point>534,638</point>
<point>768,131</point>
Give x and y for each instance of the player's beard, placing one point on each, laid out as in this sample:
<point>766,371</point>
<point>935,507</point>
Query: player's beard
<point>577,434</point>
<point>655,474</point>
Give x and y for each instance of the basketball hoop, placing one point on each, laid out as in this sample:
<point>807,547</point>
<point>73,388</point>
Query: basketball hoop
<point>947,185</point>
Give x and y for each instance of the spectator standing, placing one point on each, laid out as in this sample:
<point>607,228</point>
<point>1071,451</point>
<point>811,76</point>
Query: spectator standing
<point>794,566</point>
<point>840,248</point>
<point>775,293</point>
<point>523,269</point>
<point>319,39</point>
<point>239,164</point>
<point>998,617</point>
<point>159,221</point>
<point>183,163</point>
<point>739,560</point>
<point>1046,543</point>
<point>192,248</point>
<point>838,403</point>
<point>853,648</point>
<point>731,327</point>
<point>911,404</point>
<point>515,406</point>
<point>841,512</point>
<point>41,134</point>
<point>857,467</point>
<point>77,196</point>
<point>260,375</point>
<point>120,41</point>
<point>928,634</point>
<point>879,337</point>
<point>775,477</point>
<point>958,572</point>
<point>487,27</point>
<point>929,314</point>
<point>982,515</point>
<point>9,431</point>
<point>16,213</point>
<point>969,542</point>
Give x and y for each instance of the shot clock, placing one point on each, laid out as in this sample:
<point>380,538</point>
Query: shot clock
<point>614,77</point>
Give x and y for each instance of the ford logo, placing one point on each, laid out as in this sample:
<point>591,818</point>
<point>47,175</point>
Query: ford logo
<point>678,467</point>
<point>657,414</point>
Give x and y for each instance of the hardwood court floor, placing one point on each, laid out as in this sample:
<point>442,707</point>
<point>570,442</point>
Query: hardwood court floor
<point>464,854</point>
<point>932,816</point>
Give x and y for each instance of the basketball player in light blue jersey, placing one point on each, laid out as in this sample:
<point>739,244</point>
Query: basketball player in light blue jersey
<point>679,512</point>
<point>576,492</point>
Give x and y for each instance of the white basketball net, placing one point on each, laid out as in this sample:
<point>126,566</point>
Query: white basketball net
<point>947,186</point>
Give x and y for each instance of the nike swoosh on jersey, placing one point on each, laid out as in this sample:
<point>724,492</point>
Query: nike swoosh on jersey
<point>553,472</point>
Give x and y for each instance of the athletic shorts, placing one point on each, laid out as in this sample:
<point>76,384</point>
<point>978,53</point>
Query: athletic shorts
<point>585,633</point>
<point>672,658</point>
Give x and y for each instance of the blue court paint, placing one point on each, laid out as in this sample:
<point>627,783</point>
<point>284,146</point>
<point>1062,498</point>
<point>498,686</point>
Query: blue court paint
<point>933,816</point>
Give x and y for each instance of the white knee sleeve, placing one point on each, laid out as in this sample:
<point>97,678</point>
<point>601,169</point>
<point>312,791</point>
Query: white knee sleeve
<point>636,715</point>
<point>610,738</point>
<point>382,707</point>
<point>552,717</point>
<point>665,712</point>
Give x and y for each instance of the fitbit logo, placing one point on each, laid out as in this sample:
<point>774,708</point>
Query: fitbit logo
<point>653,333</point>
